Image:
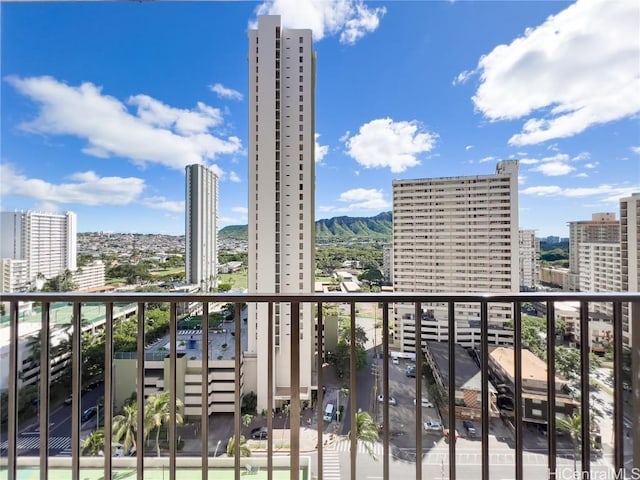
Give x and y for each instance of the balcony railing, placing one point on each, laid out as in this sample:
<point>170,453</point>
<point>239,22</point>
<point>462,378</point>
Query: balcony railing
<point>298,460</point>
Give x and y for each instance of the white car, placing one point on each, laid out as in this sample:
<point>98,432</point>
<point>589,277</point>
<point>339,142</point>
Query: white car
<point>395,360</point>
<point>392,401</point>
<point>430,426</point>
<point>425,402</point>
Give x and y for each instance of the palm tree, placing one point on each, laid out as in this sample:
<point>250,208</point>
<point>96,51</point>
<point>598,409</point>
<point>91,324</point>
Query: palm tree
<point>366,431</point>
<point>125,427</point>
<point>245,451</point>
<point>157,413</point>
<point>572,426</point>
<point>94,443</point>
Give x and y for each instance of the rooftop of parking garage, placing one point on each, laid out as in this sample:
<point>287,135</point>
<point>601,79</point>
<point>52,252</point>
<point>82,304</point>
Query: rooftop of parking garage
<point>468,376</point>
<point>189,343</point>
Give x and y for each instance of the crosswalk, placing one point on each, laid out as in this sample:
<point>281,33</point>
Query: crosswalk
<point>331,465</point>
<point>344,445</point>
<point>189,332</point>
<point>33,443</point>
<point>431,457</point>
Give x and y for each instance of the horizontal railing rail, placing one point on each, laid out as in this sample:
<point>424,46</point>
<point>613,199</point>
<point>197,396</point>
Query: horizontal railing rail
<point>175,462</point>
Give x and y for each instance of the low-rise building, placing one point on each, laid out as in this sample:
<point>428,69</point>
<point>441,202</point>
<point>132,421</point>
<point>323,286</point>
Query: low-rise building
<point>534,384</point>
<point>468,380</point>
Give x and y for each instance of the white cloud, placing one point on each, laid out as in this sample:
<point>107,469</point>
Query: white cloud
<point>591,165</point>
<point>163,203</point>
<point>553,169</point>
<point>468,147</point>
<point>528,161</point>
<point>84,188</point>
<point>359,199</point>
<point>243,210</point>
<point>321,150</point>
<point>462,77</point>
<point>581,156</point>
<point>607,193</point>
<point>582,175</point>
<point>383,143</point>
<point>578,69</point>
<point>487,159</point>
<point>224,92</point>
<point>158,134</point>
<point>636,150</point>
<point>350,19</point>
<point>233,176</point>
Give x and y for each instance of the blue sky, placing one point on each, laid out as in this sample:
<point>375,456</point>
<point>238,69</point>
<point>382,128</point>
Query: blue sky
<point>103,104</point>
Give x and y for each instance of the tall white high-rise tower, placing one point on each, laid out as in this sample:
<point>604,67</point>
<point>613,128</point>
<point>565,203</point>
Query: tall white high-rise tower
<point>281,200</point>
<point>201,232</point>
<point>47,241</point>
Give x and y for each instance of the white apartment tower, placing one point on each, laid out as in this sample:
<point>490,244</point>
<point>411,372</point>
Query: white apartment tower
<point>529,254</point>
<point>456,235</point>
<point>201,231</point>
<point>630,260</point>
<point>47,241</point>
<point>281,201</point>
<point>600,271</point>
<point>602,228</point>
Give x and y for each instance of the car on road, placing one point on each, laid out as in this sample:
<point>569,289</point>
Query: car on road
<point>431,426</point>
<point>88,413</point>
<point>469,427</point>
<point>261,433</point>
<point>68,400</point>
<point>395,360</point>
<point>425,402</point>
<point>392,400</point>
<point>411,371</point>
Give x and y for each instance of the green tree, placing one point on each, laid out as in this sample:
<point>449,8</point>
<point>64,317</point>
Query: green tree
<point>125,427</point>
<point>93,444</point>
<point>60,283</point>
<point>245,451</point>
<point>366,431</point>
<point>157,414</point>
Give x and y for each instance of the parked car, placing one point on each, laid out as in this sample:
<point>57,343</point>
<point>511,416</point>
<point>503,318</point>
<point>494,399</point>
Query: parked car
<point>411,371</point>
<point>68,400</point>
<point>469,427</point>
<point>88,413</point>
<point>395,360</point>
<point>260,433</point>
<point>425,402</point>
<point>431,426</point>
<point>392,400</point>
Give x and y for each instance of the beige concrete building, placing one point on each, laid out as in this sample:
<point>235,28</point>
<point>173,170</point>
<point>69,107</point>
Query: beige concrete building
<point>602,228</point>
<point>281,230</point>
<point>456,235</point>
<point>90,276</point>
<point>630,259</point>
<point>529,255</point>
<point>600,272</point>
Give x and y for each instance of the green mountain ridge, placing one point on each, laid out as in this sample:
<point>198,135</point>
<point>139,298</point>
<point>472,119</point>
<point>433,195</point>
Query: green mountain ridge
<point>336,229</point>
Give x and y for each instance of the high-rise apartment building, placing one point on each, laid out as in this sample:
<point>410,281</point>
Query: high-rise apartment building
<point>529,254</point>
<point>456,235</point>
<point>47,241</point>
<point>602,228</point>
<point>281,200</point>
<point>201,230</point>
<point>600,272</point>
<point>630,260</point>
